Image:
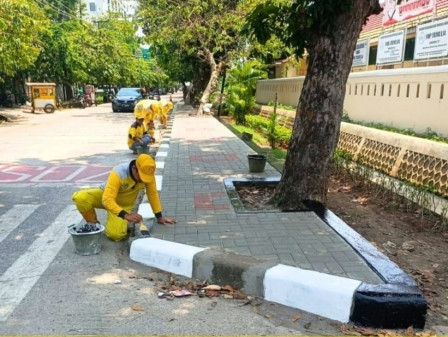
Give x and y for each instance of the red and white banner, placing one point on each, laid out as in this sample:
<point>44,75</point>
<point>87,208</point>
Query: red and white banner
<point>406,10</point>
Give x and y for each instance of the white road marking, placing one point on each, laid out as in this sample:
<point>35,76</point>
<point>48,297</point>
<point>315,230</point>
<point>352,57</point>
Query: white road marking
<point>13,218</point>
<point>23,274</point>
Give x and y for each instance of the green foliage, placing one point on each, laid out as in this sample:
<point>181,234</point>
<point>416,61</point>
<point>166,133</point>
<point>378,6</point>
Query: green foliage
<point>256,122</point>
<point>22,26</point>
<point>281,134</point>
<point>282,106</point>
<point>270,130</point>
<point>241,85</point>
<point>295,23</point>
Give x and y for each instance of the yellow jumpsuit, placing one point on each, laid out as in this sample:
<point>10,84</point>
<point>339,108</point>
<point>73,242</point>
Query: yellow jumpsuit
<point>166,108</point>
<point>156,110</point>
<point>117,195</point>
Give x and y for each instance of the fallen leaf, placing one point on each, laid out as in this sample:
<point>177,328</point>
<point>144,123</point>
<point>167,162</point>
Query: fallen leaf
<point>228,288</point>
<point>269,315</point>
<point>409,331</point>
<point>212,287</point>
<point>211,293</point>
<point>295,318</point>
<point>180,293</point>
<point>239,295</point>
<point>137,307</point>
<point>367,332</point>
<point>345,329</point>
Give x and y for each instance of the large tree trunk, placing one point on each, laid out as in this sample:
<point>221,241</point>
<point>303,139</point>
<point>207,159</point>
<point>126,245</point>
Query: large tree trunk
<point>319,112</point>
<point>199,83</point>
<point>215,70</point>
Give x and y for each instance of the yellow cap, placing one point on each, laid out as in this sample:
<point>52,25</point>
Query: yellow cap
<point>146,167</point>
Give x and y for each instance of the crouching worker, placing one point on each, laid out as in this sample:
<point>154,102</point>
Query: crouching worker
<point>118,195</point>
<point>137,135</point>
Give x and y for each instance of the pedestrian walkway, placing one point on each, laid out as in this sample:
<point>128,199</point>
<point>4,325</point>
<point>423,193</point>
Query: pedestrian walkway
<point>197,159</point>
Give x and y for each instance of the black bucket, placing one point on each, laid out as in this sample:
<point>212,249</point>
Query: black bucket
<point>257,162</point>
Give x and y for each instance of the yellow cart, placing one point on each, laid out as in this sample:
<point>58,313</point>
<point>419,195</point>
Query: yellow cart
<point>42,96</point>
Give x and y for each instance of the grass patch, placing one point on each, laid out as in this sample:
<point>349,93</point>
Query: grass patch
<point>259,143</point>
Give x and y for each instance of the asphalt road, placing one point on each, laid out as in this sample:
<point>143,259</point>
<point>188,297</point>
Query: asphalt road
<point>47,289</point>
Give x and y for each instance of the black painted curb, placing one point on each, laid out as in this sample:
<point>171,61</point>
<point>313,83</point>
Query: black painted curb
<point>398,303</point>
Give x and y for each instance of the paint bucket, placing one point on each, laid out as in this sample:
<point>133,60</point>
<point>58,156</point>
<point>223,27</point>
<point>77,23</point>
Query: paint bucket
<point>257,162</point>
<point>87,243</point>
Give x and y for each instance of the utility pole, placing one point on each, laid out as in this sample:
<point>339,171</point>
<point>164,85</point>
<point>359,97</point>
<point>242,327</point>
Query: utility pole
<point>222,90</point>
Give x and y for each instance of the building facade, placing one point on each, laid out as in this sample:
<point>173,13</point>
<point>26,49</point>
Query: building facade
<point>412,33</point>
<point>98,8</point>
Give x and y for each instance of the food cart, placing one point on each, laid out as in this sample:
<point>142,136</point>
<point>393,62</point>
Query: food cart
<point>42,96</point>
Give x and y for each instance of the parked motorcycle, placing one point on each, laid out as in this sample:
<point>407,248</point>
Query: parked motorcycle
<point>110,96</point>
<point>79,101</point>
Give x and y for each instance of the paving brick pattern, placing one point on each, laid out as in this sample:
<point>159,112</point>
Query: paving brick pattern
<point>201,153</point>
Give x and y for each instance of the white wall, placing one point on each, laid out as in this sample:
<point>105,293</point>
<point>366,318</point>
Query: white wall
<point>408,98</point>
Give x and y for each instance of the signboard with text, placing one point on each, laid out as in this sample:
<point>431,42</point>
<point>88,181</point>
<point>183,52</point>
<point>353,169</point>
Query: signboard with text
<point>361,54</point>
<point>431,40</point>
<point>390,47</point>
<point>393,12</point>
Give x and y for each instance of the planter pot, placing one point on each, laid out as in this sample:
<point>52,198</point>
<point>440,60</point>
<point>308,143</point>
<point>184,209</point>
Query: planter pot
<point>257,162</point>
<point>87,243</point>
<point>246,136</point>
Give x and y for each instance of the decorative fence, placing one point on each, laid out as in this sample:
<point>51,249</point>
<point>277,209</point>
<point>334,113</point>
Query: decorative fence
<point>407,158</point>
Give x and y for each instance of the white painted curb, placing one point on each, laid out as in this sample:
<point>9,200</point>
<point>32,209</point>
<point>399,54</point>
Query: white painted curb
<point>170,256</point>
<point>321,294</point>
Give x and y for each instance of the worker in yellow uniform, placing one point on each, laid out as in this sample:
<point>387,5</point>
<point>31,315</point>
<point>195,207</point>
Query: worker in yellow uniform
<point>156,110</point>
<point>118,195</point>
<point>148,110</point>
<point>137,134</point>
<point>167,106</point>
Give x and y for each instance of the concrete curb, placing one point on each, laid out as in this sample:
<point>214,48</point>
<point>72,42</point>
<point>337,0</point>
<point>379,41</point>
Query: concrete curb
<point>324,295</point>
<point>396,304</point>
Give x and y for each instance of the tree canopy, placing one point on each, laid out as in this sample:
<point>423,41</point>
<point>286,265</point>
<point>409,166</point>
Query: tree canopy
<point>22,26</point>
<point>328,30</point>
<point>206,30</point>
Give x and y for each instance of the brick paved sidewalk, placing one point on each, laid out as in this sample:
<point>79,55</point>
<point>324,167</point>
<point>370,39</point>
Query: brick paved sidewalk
<point>198,153</point>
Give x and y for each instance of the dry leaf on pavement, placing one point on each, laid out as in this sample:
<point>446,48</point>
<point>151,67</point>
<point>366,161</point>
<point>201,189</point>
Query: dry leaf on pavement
<point>239,294</point>
<point>295,318</point>
<point>228,288</point>
<point>211,293</point>
<point>212,287</point>
<point>137,307</point>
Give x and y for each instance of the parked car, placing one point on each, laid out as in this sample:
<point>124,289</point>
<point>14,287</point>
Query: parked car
<point>126,99</point>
